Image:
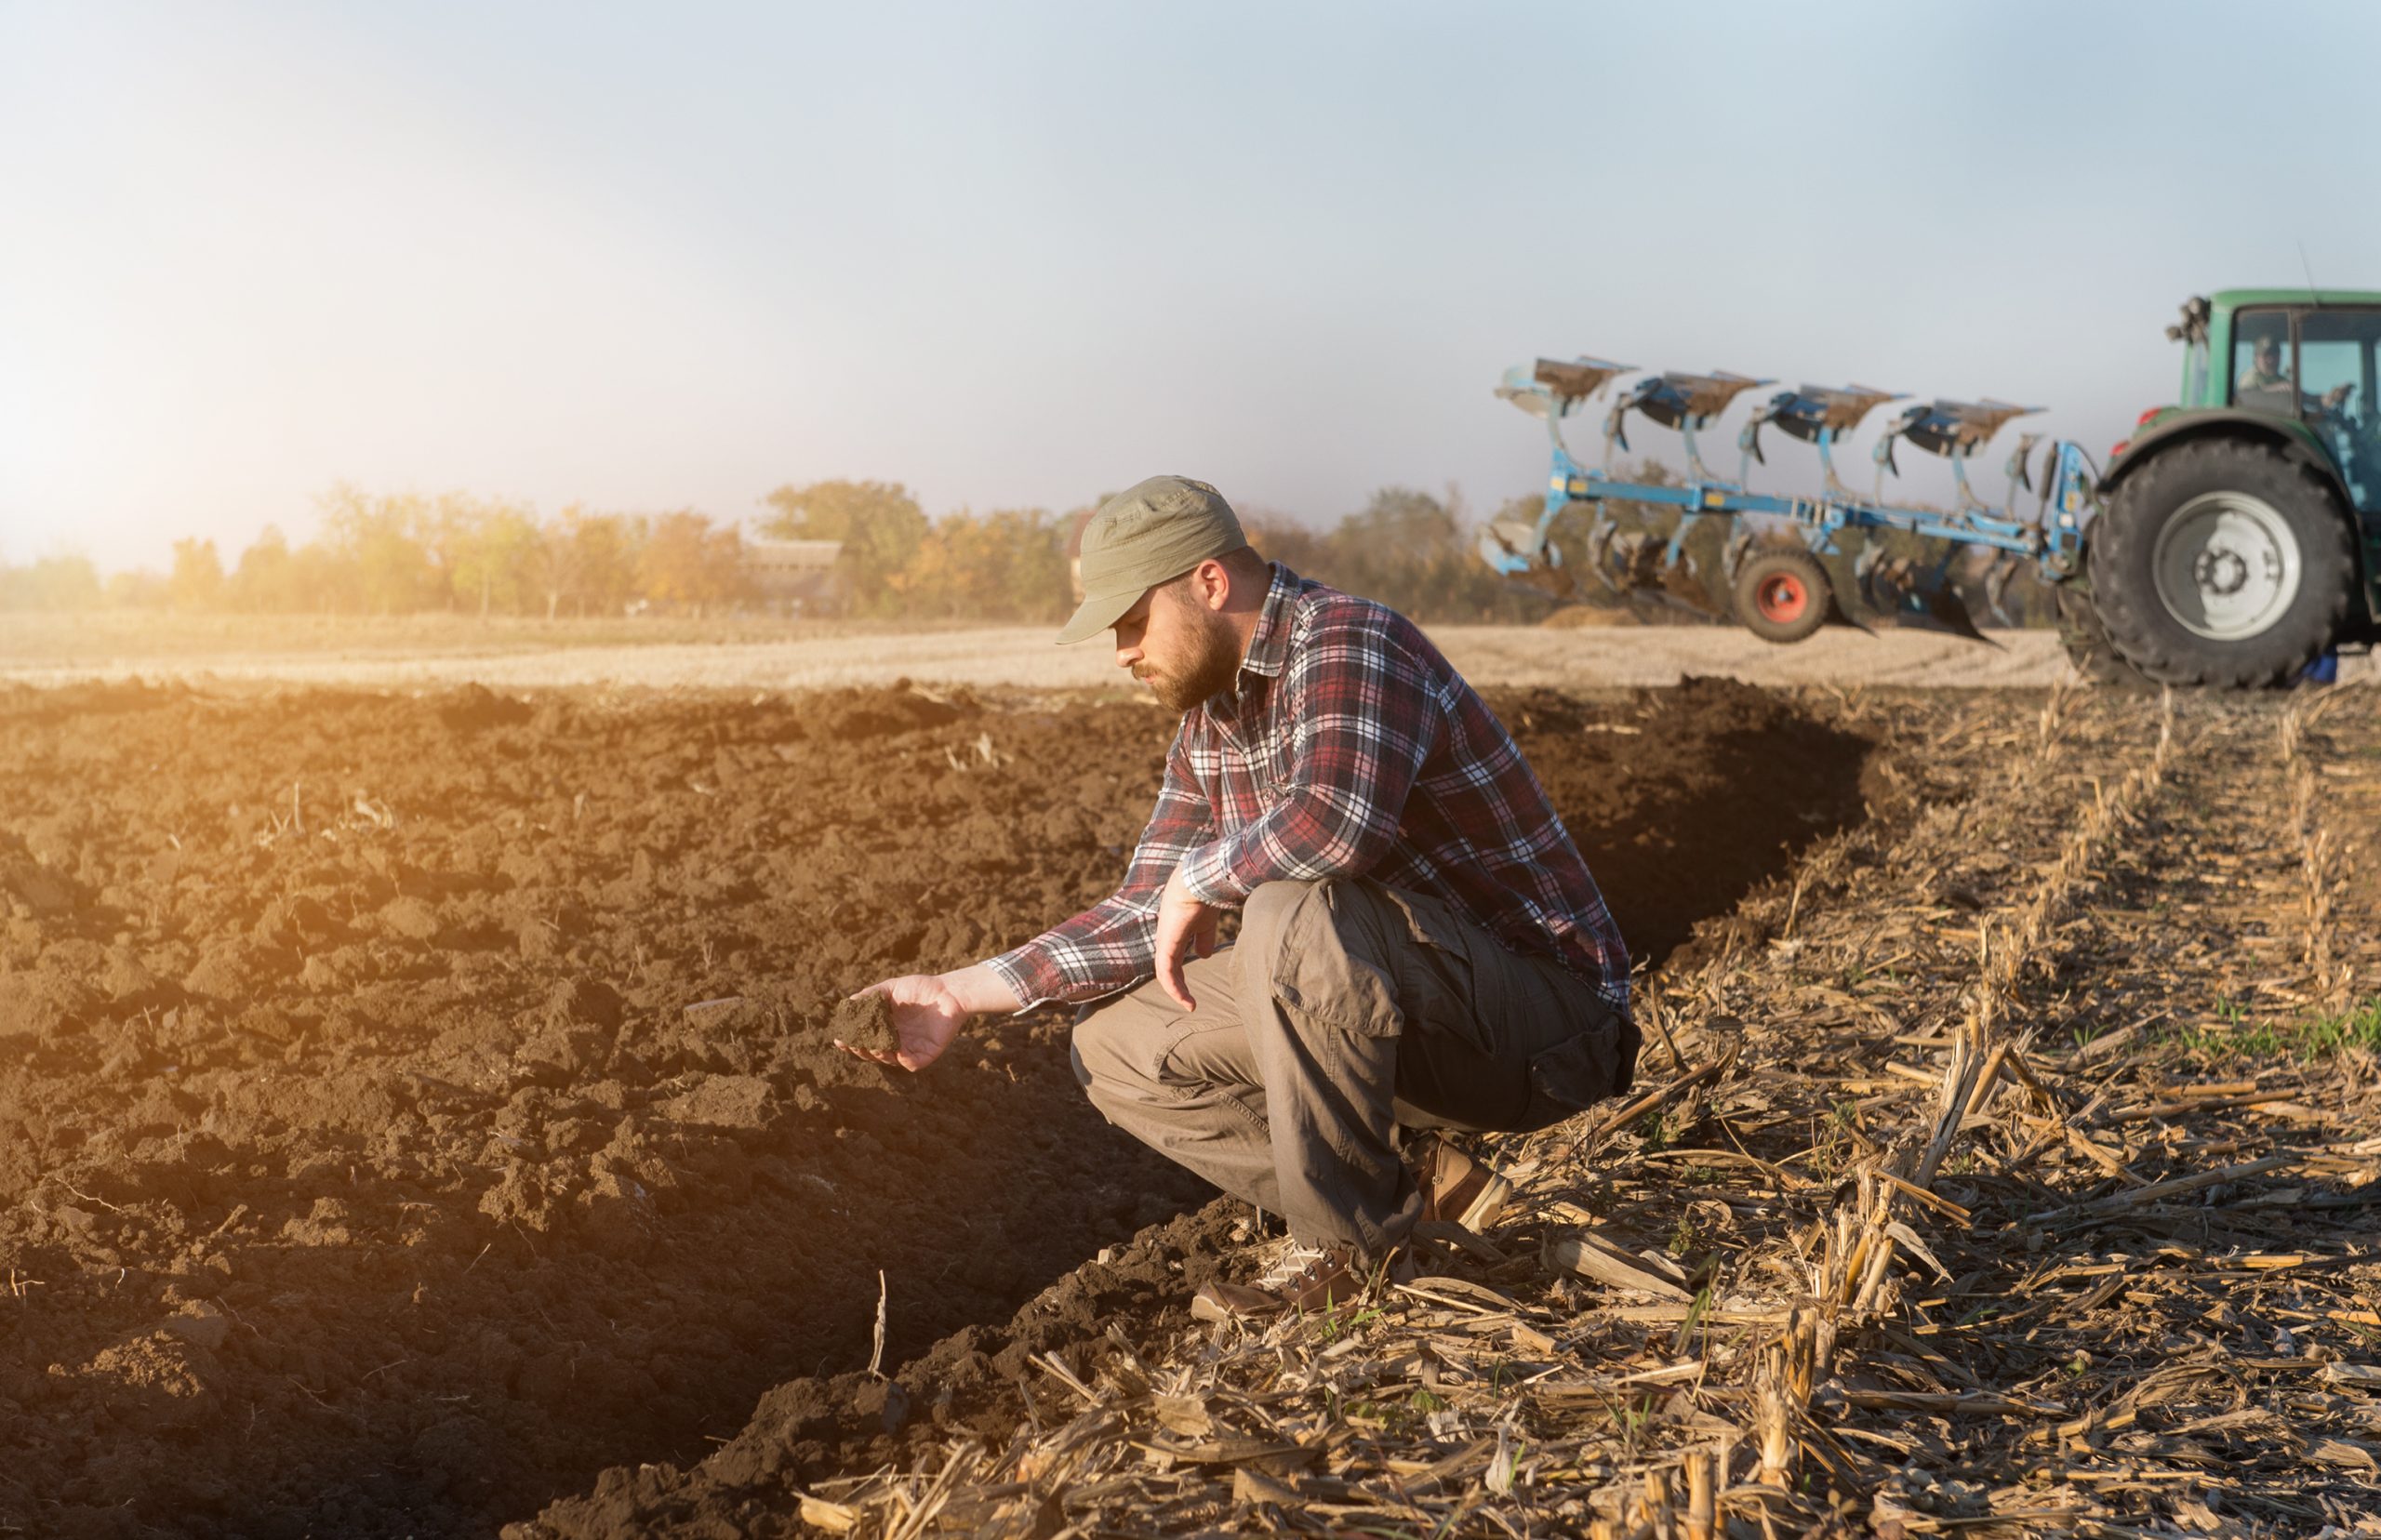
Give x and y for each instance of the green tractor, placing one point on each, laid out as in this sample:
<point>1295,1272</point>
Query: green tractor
<point>2235,541</point>
<point>2239,537</point>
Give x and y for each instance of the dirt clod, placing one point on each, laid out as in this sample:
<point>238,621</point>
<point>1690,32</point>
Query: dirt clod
<point>866,1023</point>
<point>587,1000</point>
<point>725,1101</point>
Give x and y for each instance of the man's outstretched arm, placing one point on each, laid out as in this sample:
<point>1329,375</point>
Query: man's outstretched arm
<point>1111,946</point>
<point>928,1010</point>
<point>1107,947</point>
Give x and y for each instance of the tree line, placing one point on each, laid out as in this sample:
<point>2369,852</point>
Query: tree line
<point>406,554</point>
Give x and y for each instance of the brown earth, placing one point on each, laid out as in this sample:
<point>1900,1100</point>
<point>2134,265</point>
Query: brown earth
<point>411,1107</point>
<point>866,1024</point>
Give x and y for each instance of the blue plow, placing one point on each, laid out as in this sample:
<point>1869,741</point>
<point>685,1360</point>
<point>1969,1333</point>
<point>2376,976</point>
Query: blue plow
<point>1772,573</point>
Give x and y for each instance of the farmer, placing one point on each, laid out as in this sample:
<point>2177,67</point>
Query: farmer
<point>1420,946</point>
<point>2264,385</point>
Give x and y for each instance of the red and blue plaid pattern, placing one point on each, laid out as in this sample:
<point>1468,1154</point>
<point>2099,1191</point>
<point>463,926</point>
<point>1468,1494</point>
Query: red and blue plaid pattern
<point>1348,749</point>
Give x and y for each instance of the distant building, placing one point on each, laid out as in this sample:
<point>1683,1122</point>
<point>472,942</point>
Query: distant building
<point>799,575</point>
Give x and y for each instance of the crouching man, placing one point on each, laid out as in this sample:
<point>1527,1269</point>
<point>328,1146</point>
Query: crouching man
<point>1420,946</point>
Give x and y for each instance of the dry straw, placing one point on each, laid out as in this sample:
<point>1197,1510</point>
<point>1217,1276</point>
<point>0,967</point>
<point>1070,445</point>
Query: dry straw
<point>1944,1211</point>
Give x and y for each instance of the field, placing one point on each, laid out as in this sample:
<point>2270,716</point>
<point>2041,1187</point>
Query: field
<point>430,651</point>
<point>416,1118</point>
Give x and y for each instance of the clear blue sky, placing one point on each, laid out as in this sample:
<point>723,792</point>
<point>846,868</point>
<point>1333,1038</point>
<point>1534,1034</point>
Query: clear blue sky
<point>659,256</point>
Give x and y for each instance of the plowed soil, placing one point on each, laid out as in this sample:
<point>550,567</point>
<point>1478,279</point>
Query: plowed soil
<point>411,1107</point>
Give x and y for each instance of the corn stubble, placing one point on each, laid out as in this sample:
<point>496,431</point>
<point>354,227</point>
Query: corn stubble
<point>2006,1168</point>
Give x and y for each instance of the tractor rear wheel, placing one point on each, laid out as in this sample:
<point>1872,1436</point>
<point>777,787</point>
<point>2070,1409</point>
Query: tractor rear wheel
<point>2087,642</point>
<point>1782,595</point>
<point>2224,561</point>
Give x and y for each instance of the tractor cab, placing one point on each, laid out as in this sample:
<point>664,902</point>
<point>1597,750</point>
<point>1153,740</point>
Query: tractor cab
<point>2305,361</point>
<point>2241,535</point>
<point>2315,370</point>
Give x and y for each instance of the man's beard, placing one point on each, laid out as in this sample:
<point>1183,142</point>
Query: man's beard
<point>1210,672</point>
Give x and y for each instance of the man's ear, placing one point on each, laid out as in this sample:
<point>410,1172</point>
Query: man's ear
<point>1212,582</point>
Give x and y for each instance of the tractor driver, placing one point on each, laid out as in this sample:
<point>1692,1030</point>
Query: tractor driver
<point>2264,385</point>
<point>1420,945</point>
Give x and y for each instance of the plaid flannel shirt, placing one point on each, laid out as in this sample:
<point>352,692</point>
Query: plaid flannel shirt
<point>1349,748</point>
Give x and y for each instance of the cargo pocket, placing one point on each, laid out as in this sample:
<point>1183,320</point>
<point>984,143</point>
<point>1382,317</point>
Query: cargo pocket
<point>1578,1073</point>
<point>1436,984</point>
<point>1317,972</point>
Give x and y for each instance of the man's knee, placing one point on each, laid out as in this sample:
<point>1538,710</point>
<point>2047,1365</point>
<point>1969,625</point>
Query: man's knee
<point>1312,945</point>
<point>1271,916</point>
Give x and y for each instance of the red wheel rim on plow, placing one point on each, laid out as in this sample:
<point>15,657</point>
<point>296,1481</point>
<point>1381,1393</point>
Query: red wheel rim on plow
<point>1782,598</point>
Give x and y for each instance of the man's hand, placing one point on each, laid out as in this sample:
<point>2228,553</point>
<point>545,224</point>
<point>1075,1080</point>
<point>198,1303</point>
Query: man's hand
<point>928,1010</point>
<point>1184,927</point>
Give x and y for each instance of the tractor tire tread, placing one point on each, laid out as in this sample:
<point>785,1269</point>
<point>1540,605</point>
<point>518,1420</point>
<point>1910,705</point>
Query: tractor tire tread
<point>2133,623</point>
<point>2088,647</point>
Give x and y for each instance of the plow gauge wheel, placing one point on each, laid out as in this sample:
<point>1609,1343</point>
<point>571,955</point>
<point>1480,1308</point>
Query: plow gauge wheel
<point>1782,595</point>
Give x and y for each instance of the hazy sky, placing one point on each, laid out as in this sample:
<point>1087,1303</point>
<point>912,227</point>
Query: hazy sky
<point>656,256</point>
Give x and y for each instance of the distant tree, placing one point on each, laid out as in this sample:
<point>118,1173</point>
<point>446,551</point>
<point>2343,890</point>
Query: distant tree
<point>609,549</point>
<point>139,587</point>
<point>262,581</point>
<point>879,523</point>
<point>1411,552</point>
<point>325,580</point>
<point>1404,521</point>
<point>689,564</point>
<point>1387,549</point>
<point>1006,565</point>
<point>493,551</point>
<point>382,536</point>
<point>587,559</point>
<point>1279,537</point>
<point>557,567</point>
<point>197,581</point>
<point>446,529</point>
<point>51,583</point>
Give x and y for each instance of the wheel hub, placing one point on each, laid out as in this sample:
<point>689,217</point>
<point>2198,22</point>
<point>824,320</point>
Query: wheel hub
<point>1782,597</point>
<point>2227,566</point>
<point>2221,572</point>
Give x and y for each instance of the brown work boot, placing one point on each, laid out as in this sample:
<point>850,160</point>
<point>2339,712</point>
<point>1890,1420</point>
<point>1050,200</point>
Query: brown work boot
<point>1455,1187</point>
<point>1303,1280</point>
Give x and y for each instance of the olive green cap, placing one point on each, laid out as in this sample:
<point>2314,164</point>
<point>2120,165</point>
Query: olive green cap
<point>1144,536</point>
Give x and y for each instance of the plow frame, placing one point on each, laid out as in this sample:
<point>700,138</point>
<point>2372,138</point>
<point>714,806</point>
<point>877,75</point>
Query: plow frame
<point>2053,539</point>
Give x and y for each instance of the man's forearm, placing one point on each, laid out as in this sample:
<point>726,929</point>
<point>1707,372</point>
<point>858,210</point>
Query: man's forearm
<point>982,991</point>
<point>1101,950</point>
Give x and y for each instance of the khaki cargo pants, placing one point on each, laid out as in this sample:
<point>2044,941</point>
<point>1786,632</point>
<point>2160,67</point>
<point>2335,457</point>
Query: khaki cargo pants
<point>1345,1010</point>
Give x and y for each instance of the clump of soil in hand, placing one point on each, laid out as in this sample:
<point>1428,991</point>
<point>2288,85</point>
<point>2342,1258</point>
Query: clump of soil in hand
<point>866,1024</point>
